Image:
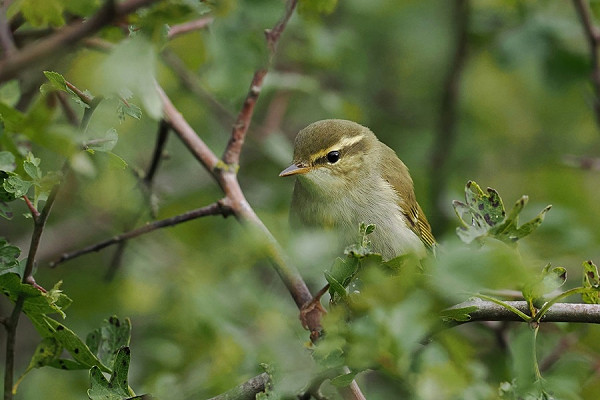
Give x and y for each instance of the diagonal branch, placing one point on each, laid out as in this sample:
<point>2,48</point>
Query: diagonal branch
<point>592,36</point>
<point>67,37</point>
<point>217,208</point>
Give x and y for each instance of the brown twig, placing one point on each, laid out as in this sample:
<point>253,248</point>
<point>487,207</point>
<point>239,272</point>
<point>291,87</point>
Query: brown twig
<point>593,38</point>
<point>147,180</point>
<point>446,129</point>
<point>247,390</point>
<point>6,39</point>
<point>39,222</point>
<point>231,156</point>
<point>191,83</point>
<point>66,37</point>
<point>217,208</point>
<point>190,26</point>
<point>34,212</point>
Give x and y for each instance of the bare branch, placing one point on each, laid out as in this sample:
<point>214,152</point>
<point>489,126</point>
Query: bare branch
<point>231,156</point>
<point>67,37</point>
<point>187,134</point>
<point>592,36</point>
<point>190,26</point>
<point>247,390</point>
<point>446,129</point>
<point>6,38</point>
<point>191,83</point>
<point>217,208</point>
<point>159,147</point>
<point>559,312</point>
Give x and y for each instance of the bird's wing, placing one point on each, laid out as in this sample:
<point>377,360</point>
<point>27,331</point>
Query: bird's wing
<point>396,174</point>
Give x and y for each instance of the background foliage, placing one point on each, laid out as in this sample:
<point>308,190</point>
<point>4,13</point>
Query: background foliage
<point>205,307</point>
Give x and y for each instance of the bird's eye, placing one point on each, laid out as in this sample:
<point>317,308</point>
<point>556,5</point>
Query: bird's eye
<point>333,156</point>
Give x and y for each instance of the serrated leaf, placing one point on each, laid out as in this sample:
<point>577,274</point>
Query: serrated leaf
<point>7,161</point>
<point>16,186</point>
<point>591,279</point>
<point>116,161</point>
<point>483,215</point>
<point>335,288</point>
<point>128,109</point>
<point>462,314</point>
<point>9,255</point>
<point>58,82</point>
<point>36,302</point>
<point>74,345</point>
<point>343,380</point>
<point>118,387</point>
<point>45,353</point>
<point>32,167</point>
<point>112,335</point>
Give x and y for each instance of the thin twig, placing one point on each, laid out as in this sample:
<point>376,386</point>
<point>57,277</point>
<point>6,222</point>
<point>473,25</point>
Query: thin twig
<point>67,109</point>
<point>593,38</point>
<point>217,208</point>
<point>446,127</point>
<point>558,312</point>
<point>157,154</point>
<point>39,222</point>
<point>191,83</point>
<point>247,390</point>
<point>190,26</point>
<point>147,180</point>
<point>6,39</point>
<point>34,212</point>
<point>67,37</point>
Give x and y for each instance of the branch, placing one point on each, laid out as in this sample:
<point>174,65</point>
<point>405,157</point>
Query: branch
<point>190,26</point>
<point>247,390</point>
<point>6,39</point>
<point>66,37</point>
<point>593,38</point>
<point>217,208</point>
<point>39,222</point>
<point>231,156</point>
<point>446,127</point>
<point>159,147</point>
<point>559,312</point>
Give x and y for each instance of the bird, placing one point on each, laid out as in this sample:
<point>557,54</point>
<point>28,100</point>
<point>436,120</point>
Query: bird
<point>344,177</point>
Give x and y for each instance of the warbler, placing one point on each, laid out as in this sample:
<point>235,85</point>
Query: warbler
<point>345,176</point>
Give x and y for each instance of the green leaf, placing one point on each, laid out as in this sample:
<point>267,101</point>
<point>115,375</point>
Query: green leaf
<point>58,82</point>
<point>462,314</point>
<point>32,167</point>
<point>36,303</point>
<point>74,345</point>
<point>41,14</point>
<point>549,280</point>
<point>343,380</point>
<point>10,92</point>
<point>8,255</point>
<point>104,144</point>
<point>128,109</point>
<point>45,353</point>
<point>483,215</point>
<point>118,387</point>
<point>7,161</point>
<point>5,210</point>
<point>314,8</point>
<point>110,337</point>
<point>334,286</point>
<point>591,279</point>
<point>16,186</point>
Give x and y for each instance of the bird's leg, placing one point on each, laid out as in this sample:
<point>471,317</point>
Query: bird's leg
<point>312,305</point>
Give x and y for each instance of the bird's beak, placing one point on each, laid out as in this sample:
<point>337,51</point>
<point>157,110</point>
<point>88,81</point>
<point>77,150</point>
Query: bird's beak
<point>294,169</point>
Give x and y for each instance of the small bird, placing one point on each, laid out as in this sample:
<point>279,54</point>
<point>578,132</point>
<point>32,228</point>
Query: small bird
<point>346,176</point>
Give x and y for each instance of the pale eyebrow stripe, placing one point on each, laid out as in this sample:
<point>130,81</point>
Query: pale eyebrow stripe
<point>345,142</point>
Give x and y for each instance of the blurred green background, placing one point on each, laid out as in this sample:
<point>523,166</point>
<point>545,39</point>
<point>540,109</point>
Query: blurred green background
<point>205,305</point>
